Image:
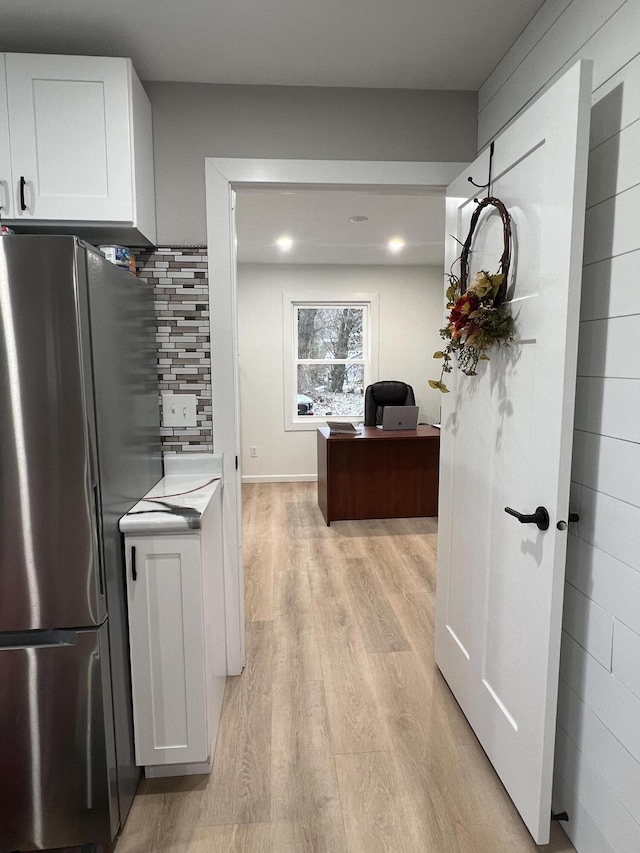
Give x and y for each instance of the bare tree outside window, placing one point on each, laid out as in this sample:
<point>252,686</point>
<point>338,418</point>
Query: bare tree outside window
<point>331,358</point>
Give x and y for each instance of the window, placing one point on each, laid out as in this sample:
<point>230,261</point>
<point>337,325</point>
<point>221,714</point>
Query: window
<point>328,358</point>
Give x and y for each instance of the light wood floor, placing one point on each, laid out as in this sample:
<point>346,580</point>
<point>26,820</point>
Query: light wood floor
<point>340,735</point>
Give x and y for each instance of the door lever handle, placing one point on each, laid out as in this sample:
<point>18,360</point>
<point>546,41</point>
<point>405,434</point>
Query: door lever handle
<point>539,517</point>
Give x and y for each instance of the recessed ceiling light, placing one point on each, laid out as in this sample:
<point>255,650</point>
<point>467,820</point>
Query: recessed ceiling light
<point>284,243</point>
<point>358,219</point>
<point>396,244</point>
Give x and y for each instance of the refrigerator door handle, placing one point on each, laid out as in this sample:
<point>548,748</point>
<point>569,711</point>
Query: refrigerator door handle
<point>37,639</point>
<point>134,571</point>
<point>98,544</point>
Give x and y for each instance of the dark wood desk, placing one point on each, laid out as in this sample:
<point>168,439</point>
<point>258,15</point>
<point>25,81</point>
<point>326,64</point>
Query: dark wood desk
<point>378,473</point>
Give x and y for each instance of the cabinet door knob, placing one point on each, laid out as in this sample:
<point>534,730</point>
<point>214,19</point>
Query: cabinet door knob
<point>23,205</point>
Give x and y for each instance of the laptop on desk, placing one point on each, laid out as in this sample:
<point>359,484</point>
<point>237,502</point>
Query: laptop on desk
<point>399,417</point>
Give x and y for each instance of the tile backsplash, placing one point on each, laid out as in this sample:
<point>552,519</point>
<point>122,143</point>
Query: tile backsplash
<point>181,288</point>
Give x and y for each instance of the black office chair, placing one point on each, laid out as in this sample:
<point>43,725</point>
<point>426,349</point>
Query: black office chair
<point>389,392</point>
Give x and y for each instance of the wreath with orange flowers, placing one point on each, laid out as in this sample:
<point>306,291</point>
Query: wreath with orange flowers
<point>477,319</point>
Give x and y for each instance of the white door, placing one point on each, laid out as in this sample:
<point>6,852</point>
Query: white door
<point>69,123</point>
<point>506,441</point>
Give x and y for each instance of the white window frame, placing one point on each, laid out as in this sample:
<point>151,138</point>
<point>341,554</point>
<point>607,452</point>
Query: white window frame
<point>290,302</point>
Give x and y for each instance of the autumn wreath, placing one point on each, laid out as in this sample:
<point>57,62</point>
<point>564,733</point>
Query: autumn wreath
<point>478,319</point>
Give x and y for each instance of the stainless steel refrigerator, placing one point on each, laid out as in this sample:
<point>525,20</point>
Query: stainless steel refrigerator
<point>79,445</point>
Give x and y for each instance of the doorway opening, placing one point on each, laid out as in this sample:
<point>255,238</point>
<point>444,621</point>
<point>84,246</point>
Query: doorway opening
<point>223,177</point>
<point>353,297</point>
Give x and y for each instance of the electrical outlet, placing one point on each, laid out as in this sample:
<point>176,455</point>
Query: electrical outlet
<point>178,410</point>
<point>254,451</point>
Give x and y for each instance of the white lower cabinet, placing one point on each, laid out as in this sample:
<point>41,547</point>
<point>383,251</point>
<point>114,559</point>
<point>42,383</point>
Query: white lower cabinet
<point>175,592</point>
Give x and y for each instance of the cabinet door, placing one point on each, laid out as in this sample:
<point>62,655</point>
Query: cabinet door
<point>69,123</point>
<point>164,584</point>
<point>6,182</point>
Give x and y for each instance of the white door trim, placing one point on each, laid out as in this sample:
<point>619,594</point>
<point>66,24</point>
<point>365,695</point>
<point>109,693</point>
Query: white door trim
<point>223,175</point>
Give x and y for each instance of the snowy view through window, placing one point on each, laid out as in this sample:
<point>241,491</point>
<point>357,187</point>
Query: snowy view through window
<point>331,360</point>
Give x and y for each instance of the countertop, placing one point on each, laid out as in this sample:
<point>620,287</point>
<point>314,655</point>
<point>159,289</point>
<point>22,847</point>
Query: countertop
<point>188,483</point>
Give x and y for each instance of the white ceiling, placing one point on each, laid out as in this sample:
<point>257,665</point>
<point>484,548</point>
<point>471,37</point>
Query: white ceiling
<point>441,44</point>
<point>318,222</point>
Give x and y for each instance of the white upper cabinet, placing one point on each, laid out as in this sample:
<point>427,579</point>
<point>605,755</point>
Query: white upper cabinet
<point>80,143</point>
<point>6,180</point>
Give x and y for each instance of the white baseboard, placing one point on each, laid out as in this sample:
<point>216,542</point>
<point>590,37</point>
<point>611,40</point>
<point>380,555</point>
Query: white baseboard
<point>279,478</point>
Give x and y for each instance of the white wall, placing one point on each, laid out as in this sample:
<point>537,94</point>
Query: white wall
<point>598,741</point>
<point>192,121</point>
<point>411,312</point>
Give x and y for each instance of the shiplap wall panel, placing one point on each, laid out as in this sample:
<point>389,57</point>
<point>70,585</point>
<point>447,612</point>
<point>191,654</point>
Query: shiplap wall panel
<point>613,703</point>
<point>588,624</point>
<point>597,776</point>
<point>609,407</point>
<point>617,826</point>
<point>603,464</point>
<point>614,42</point>
<point>614,165</point>
<point>615,764</point>
<point>611,227</point>
<point>585,835</point>
<point>584,31</point>
<point>610,348</point>
<point>610,288</point>
<point>610,524</point>
<point>613,585</point>
<point>626,654</point>
<point>531,36</point>
<point>616,103</point>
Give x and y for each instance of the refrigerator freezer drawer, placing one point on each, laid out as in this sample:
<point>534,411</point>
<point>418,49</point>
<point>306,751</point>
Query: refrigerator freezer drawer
<point>56,741</point>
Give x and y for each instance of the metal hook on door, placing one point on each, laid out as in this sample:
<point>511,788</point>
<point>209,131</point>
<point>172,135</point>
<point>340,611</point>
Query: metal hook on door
<point>486,186</point>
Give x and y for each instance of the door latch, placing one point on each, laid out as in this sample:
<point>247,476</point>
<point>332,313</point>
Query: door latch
<point>573,518</point>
